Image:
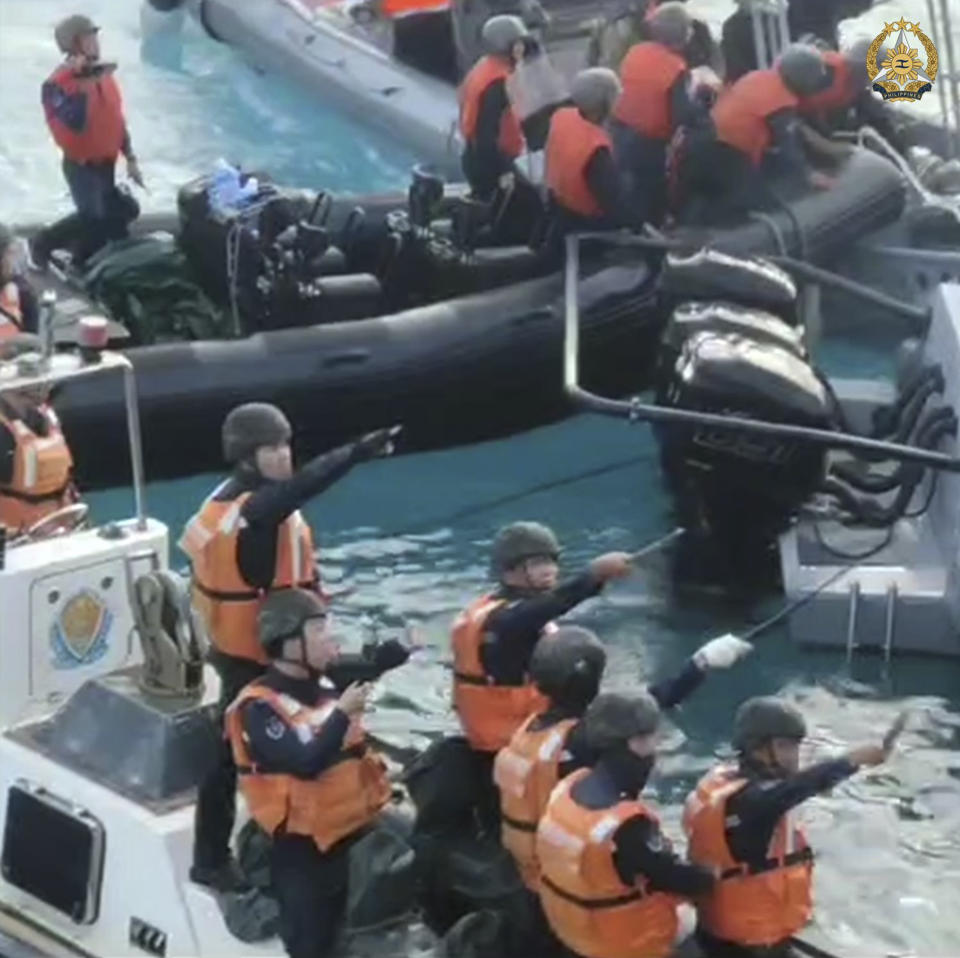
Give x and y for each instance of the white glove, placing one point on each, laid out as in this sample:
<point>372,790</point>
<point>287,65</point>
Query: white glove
<point>721,653</point>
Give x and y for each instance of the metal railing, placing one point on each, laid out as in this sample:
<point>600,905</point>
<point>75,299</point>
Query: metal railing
<point>635,411</point>
<point>771,31</point>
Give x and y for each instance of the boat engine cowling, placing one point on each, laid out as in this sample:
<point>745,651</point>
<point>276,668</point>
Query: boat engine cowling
<point>734,486</point>
<point>712,275</point>
<point>689,319</point>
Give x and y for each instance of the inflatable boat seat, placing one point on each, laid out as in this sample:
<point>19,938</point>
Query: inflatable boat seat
<point>333,262</point>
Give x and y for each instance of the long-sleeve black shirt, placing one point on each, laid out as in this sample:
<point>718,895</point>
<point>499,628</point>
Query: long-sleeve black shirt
<point>272,502</point>
<point>275,746</point>
<point>762,802</point>
<point>641,850</point>
<point>512,631</point>
<point>669,693</point>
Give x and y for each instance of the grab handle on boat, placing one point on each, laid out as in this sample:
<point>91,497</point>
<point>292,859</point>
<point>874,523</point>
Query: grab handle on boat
<point>349,357</point>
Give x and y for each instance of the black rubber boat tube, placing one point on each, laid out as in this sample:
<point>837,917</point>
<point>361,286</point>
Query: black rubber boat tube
<point>919,315</point>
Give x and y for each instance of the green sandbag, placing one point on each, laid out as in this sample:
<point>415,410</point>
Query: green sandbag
<point>145,283</point>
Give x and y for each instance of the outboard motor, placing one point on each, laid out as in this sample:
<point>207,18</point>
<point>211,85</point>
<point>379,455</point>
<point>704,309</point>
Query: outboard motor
<point>740,489</point>
<point>712,275</point>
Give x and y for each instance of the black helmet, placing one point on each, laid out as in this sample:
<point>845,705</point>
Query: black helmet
<point>69,30</point>
<point>283,614</point>
<point>612,719</point>
<point>250,426</point>
<point>569,658</point>
<point>760,719</point>
<point>519,541</point>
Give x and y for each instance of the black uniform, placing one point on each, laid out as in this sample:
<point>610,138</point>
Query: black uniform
<point>754,812</point>
<point>310,886</point>
<point>268,506</point>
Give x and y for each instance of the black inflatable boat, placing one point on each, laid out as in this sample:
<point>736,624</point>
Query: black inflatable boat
<point>459,344</point>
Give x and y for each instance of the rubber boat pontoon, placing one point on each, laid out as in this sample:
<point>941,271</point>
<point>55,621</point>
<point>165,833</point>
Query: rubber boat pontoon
<point>400,317</point>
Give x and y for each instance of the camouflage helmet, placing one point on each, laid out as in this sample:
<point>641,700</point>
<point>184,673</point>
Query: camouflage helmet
<point>283,614</point>
<point>250,426</point>
<point>614,719</point>
<point>519,541</point>
<point>670,25</point>
<point>596,90</point>
<point>760,719</point>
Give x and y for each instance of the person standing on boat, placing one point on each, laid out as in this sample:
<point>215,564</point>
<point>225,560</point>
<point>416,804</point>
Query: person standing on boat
<point>655,102</point>
<point>247,539</point>
<point>19,308</point>
<point>566,669</point>
<point>494,638</point>
<point>308,777</point>
<point>36,467</point>
<point>491,131</point>
<point>754,136</point>
<point>84,112</point>
<point>738,821</point>
<point>585,186</point>
<point>610,883</point>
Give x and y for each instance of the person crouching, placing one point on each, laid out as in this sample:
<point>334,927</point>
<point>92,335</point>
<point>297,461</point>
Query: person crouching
<point>304,769</point>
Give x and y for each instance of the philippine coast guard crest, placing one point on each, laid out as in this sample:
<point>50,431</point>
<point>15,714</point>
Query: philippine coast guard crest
<point>910,65</point>
<point>79,634</point>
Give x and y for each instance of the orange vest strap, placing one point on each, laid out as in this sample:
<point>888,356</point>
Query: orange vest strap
<point>592,903</point>
<point>351,752</point>
<point>799,857</point>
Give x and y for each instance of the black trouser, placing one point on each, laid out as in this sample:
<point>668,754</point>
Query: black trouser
<point>642,163</point>
<point>717,183</point>
<point>217,795</point>
<point>311,890</point>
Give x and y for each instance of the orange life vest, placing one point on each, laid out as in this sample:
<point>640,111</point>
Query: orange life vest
<point>11,315</point>
<point>225,600</point>
<point>839,96</point>
<point>571,143</point>
<point>42,466</point>
<point>489,713</point>
<point>741,113</point>
<point>102,135</point>
<point>748,906</point>
<point>648,72</point>
<point>526,771</point>
<point>396,9</point>
<point>342,799</point>
<point>486,71</point>
<point>587,904</point>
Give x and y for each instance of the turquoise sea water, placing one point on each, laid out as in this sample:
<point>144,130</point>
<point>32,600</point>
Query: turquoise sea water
<point>889,852</point>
